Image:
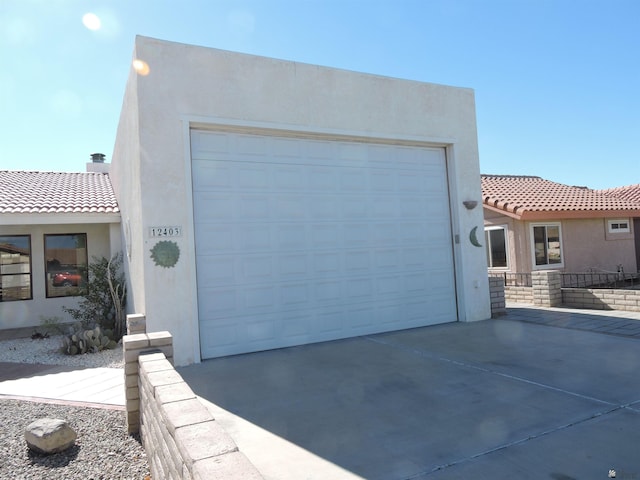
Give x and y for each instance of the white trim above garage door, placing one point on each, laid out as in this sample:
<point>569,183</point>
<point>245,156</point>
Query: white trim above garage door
<point>302,240</point>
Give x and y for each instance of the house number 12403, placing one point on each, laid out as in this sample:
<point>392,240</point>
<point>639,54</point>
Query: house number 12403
<point>165,231</point>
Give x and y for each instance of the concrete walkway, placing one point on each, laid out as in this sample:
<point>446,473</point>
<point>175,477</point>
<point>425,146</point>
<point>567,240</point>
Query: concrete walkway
<point>506,398</point>
<point>98,387</point>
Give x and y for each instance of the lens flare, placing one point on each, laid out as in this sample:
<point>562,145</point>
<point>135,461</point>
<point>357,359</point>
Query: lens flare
<point>91,21</point>
<point>141,67</point>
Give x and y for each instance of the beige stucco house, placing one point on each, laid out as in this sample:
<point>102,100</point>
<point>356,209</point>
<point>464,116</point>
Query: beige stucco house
<point>535,224</point>
<point>268,203</point>
<point>51,225</point>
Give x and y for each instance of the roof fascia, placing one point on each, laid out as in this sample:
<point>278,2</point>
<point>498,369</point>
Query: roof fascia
<point>578,214</point>
<point>57,218</point>
<point>502,211</point>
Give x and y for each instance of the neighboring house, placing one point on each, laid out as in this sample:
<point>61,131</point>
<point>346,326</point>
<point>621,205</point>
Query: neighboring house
<point>532,224</point>
<point>51,225</point>
<point>268,203</point>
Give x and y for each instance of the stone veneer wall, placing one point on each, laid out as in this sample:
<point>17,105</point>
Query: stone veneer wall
<point>496,291</point>
<point>518,294</point>
<point>547,288</point>
<point>547,291</point>
<point>602,299</point>
<point>181,438</point>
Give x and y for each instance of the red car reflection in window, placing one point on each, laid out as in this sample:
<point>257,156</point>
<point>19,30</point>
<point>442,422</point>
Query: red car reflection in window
<point>67,279</point>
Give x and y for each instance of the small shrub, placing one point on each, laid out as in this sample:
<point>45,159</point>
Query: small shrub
<point>51,326</point>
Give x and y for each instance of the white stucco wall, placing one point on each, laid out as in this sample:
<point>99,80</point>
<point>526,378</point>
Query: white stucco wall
<point>195,86</point>
<point>103,240</point>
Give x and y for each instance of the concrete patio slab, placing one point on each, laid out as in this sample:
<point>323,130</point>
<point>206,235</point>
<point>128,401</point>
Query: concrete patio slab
<point>491,399</point>
<point>98,386</point>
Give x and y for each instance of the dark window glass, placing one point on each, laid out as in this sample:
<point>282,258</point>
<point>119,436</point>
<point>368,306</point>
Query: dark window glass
<point>15,268</point>
<point>496,242</point>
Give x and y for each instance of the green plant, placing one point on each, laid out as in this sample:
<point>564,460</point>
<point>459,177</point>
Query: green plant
<point>51,325</point>
<point>92,340</point>
<point>103,297</point>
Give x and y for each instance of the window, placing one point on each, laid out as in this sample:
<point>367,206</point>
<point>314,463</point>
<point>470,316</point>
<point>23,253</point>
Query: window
<point>495,239</point>
<point>15,268</point>
<point>619,226</point>
<point>547,245</point>
<point>66,263</point>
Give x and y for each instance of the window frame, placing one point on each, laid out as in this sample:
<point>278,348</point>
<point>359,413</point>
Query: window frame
<point>83,269</point>
<point>532,243</point>
<point>29,273</point>
<point>618,221</point>
<point>505,231</point>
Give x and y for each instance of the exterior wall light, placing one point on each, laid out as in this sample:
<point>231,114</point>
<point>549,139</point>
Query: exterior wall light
<point>470,204</point>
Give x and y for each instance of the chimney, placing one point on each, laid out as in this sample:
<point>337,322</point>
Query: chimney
<point>97,165</point>
<point>97,157</point>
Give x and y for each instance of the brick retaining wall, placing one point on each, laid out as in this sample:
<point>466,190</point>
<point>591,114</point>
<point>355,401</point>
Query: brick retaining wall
<point>602,299</point>
<point>181,438</point>
<point>518,294</point>
<point>589,298</point>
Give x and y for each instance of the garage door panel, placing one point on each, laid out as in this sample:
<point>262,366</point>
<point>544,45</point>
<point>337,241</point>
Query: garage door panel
<point>302,240</point>
<point>210,207</point>
<point>293,266</point>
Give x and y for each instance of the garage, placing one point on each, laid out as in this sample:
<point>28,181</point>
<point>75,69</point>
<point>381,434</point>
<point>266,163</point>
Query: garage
<point>303,238</point>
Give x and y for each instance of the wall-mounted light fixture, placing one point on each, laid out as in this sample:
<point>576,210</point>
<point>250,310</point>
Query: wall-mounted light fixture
<point>470,204</point>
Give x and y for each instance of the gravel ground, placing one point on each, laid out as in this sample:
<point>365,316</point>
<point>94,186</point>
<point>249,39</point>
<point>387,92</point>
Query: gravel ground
<point>103,449</point>
<point>47,351</point>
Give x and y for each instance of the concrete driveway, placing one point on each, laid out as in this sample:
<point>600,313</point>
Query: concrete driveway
<point>489,400</point>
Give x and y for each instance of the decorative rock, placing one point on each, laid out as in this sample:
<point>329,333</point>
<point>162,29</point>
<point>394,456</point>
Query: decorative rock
<point>49,435</point>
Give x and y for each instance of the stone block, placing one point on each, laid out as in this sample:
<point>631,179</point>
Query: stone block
<point>233,466</point>
<point>159,339</point>
<point>131,368</point>
<point>131,356</point>
<point>174,393</point>
<point>132,393</point>
<point>193,447</point>
<point>131,381</point>
<point>165,377</point>
<point>133,424</point>
<point>136,323</point>
<point>135,342</point>
<point>151,355</point>
<point>133,405</point>
<point>155,365</point>
<point>183,413</point>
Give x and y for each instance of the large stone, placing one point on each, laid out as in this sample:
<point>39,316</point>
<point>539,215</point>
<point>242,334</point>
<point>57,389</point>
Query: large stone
<point>49,435</point>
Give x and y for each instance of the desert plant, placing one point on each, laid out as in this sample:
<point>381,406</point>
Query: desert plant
<point>81,340</point>
<point>52,325</point>
<point>103,297</point>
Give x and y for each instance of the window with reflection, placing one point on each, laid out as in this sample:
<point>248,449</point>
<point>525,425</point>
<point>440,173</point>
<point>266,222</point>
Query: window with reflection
<point>547,245</point>
<point>15,268</point>
<point>65,263</point>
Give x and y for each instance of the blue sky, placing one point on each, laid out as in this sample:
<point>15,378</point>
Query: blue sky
<point>557,82</point>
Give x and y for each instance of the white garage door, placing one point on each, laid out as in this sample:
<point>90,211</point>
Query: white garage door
<point>302,240</point>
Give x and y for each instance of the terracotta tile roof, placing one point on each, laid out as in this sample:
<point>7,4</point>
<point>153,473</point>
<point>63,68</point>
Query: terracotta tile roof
<point>534,198</point>
<point>56,192</point>
<point>630,192</point>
